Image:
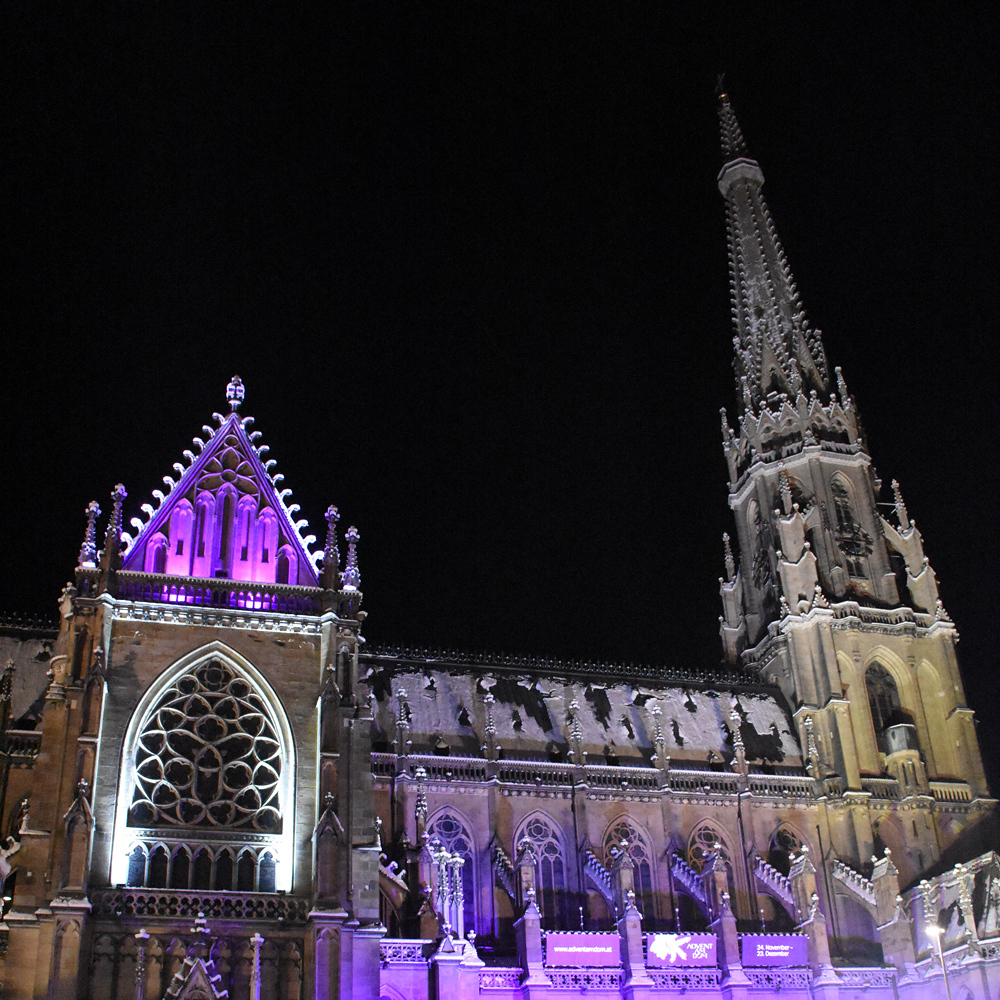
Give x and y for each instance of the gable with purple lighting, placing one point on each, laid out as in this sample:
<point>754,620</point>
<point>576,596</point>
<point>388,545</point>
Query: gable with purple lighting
<point>225,518</point>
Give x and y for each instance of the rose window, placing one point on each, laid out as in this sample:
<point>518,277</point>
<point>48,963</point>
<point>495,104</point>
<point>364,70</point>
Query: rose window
<point>208,756</point>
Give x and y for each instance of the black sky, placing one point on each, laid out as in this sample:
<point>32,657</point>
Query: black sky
<point>470,261</point>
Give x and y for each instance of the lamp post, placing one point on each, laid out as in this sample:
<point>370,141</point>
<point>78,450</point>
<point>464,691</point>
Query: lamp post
<point>937,933</point>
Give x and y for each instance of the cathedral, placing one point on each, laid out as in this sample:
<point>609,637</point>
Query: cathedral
<point>210,787</point>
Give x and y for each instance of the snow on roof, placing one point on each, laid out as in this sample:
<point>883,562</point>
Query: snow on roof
<point>532,715</point>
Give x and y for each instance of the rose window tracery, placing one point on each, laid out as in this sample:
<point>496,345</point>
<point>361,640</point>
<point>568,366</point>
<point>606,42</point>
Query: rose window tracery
<point>208,756</point>
<point>229,465</point>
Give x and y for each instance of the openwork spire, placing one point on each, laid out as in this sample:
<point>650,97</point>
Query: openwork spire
<point>777,353</point>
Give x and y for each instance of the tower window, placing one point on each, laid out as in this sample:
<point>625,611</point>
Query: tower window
<point>883,697</point>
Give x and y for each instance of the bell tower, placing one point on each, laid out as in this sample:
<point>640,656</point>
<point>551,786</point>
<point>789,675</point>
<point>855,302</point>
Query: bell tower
<point>824,596</point>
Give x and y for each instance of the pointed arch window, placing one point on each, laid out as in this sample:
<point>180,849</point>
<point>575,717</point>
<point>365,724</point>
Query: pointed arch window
<point>883,698</point>
<point>550,876</point>
<point>622,831</point>
<point>226,515</point>
<point>456,839</point>
<point>852,539</point>
<point>208,756</point>
<point>156,554</point>
<point>266,544</point>
<point>705,841</point>
<point>784,843</point>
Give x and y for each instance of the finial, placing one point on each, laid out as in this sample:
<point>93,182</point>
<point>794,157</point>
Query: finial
<point>114,531</point>
<point>88,551</point>
<point>235,393</point>
<point>901,511</point>
<point>785,488</point>
<point>351,577</point>
<point>331,554</point>
<point>730,561</point>
<point>841,386</point>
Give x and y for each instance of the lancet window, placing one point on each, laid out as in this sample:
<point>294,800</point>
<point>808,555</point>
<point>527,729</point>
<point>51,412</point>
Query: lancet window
<point>456,839</point>
<point>550,875</point>
<point>624,830</point>
<point>784,843</point>
<point>852,539</point>
<point>883,697</point>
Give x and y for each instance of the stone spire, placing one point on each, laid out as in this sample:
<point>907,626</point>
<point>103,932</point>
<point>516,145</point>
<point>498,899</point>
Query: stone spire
<point>776,350</point>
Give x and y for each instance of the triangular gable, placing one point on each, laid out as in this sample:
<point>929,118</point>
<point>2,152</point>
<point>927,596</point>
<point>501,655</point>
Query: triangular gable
<point>225,518</point>
<point>196,981</point>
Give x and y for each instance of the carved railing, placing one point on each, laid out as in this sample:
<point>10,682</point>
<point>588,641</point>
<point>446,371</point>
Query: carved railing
<point>705,782</point>
<point>776,980</point>
<point>405,951</point>
<point>598,874</point>
<point>383,765</point>
<point>713,674</point>
<point>855,881</point>
<point>516,772</point>
<point>447,768</point>
<point>634,778</point>
<point>689,879</point>
<point>773,880</point>
<point>881,788</point>
<point>188,904</point>
<point>782,786</point>
<point>951,791</point>
<point>866,977</point>
<point>21,745</point>
<point>582,980</point>
<point>682,980</point>
<point>161,588</point>
<point>833,787</point>
<point>500,979</point>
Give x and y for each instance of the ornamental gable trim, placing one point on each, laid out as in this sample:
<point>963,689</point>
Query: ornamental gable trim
<point>225,517</point>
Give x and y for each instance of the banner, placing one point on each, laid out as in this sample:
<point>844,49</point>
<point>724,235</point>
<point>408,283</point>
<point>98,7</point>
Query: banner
<point>580,949</point>
<point>680,950</point>
<point>774,949</point>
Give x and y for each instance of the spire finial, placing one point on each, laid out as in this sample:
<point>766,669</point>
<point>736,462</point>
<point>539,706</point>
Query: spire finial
<point>235,393</point>
<point>351,577</point>
<point>88,551</point>
<point>901,511</point>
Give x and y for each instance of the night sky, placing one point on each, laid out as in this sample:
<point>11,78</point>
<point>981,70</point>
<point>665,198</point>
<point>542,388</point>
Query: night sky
<point>470,261</point>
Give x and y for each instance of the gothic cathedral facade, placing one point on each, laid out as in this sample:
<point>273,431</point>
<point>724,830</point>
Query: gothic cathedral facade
<point>209,788</point>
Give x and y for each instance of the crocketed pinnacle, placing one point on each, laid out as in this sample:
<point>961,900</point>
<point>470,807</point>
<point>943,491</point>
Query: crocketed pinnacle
<point>776,350</point>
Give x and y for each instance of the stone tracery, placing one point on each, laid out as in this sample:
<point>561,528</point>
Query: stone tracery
<point>208,756</point>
